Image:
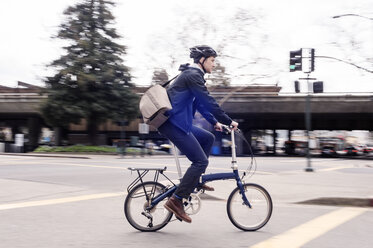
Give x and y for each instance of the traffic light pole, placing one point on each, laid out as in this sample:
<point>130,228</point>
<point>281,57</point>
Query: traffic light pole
<point>308,127</point>
<point>308,122</point>
<point>304,60</point>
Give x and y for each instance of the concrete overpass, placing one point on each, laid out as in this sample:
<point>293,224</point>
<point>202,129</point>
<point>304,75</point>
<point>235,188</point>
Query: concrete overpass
<point>254,110</point>
<point>19,110</point>
<point>329,112</point>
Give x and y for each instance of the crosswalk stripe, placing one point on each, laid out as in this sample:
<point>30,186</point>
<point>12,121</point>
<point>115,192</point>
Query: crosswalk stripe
<point>59,200</point>
<point>300,235</point>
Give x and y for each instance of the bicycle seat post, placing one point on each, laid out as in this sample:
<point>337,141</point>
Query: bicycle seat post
<point>233,147</point>
<point>177,161</point>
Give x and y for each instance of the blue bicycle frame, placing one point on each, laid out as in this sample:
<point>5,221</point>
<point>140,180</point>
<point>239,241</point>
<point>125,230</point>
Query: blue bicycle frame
<point>208,178</point>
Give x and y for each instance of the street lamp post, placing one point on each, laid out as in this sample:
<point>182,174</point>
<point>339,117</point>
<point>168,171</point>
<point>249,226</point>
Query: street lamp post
<point>338,16</point>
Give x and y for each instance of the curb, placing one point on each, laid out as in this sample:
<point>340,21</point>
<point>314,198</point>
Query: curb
<point>43,155</point>
<point>83,156</point>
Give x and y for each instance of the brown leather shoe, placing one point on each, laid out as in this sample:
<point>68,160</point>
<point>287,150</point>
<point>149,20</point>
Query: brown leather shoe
<point>207,188</point>
<point>176,207</point>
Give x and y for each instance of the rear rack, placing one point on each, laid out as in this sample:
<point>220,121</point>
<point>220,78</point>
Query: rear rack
<point>148,169</point>
<point>141,172</point>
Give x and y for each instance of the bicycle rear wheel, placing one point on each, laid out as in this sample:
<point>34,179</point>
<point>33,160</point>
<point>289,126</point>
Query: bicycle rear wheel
<point>136,203</point>
<point>244,217</point>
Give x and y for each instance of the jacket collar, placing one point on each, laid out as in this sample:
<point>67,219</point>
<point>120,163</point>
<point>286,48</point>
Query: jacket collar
<point>196,66</point>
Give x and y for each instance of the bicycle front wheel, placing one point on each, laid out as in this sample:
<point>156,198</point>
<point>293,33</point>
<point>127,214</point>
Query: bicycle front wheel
<point>244,217</point>
<point>138,199</point>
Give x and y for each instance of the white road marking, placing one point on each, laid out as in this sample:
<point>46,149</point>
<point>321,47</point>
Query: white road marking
<point>150,164</point>
<point>59,200</point>
<point>300,235</point>
<point>336,168</point>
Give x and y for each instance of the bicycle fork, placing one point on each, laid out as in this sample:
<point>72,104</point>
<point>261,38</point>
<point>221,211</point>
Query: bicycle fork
<point>242,192</point>
<point>235,171</point>
<point>241,187</point>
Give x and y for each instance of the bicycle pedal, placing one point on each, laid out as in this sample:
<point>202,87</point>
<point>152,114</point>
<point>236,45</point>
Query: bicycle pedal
<point>178,218</point>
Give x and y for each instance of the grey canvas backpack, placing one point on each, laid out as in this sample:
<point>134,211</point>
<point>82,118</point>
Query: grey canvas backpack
<point>154,104</point>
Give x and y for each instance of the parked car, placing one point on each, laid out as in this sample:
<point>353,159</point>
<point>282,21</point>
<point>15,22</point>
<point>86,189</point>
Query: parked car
<point>367,149</point>
<point>370,148</point>
<point>352,151</point>
<point>328,151</point>
<point>165,147</point>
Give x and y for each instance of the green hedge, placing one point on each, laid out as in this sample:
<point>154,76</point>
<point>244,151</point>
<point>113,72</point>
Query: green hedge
<point>95,149</point>
<point>77,149</point>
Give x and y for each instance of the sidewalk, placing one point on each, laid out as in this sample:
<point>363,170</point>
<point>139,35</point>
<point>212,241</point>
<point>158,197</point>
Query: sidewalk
<point>81,155</point>
<point>51,155</point>
<point>88,156</point>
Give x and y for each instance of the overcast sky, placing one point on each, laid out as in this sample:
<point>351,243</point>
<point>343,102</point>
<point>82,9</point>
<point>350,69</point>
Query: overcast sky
<point>151,31</point>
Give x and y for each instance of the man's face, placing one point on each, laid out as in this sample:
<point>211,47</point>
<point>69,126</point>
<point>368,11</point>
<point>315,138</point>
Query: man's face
<point>209,64</point>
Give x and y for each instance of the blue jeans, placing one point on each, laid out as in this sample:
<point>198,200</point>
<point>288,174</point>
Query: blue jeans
<point>196,146</point>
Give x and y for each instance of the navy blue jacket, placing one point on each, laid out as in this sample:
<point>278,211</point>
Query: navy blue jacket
<point>187,94</point>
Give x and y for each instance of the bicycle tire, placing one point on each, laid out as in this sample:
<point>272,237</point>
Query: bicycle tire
<point>135,203</point>
<point>244,217</point>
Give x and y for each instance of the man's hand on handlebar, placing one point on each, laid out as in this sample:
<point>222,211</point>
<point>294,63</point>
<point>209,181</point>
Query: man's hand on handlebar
<point>234,125</point>
<point>218,127</point>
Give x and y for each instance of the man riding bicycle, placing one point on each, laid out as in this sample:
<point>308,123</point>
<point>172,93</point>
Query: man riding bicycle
<point>188,94</point>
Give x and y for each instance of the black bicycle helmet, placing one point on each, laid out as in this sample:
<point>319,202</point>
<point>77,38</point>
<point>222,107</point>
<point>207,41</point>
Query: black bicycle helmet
<point>198,52</point>
<point>203,51</point>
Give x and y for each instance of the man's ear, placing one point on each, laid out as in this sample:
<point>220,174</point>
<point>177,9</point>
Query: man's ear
<point>201,60</point>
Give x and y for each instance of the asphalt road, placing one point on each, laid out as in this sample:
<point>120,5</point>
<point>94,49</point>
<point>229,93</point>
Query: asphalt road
<point>76,202</point>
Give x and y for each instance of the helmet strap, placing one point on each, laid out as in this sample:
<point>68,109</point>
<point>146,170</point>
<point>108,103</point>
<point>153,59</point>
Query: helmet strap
<point>202,64</point>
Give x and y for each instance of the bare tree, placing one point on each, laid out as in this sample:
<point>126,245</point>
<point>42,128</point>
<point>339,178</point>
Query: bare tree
<point>351,42</point>
<point>159,76</point>
<point>238,38</point>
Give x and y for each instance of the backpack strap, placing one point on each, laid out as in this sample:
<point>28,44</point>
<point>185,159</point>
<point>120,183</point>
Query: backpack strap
<point>169,81</point>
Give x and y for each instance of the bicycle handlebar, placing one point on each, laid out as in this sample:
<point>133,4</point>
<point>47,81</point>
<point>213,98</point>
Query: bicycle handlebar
<point>228,129</point>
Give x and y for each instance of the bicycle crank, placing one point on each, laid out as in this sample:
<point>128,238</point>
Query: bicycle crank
<point>193,204</point>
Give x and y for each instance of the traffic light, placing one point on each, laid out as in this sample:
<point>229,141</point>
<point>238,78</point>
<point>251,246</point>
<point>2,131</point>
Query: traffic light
<point>296,60</point>
<point>312,53</point>
<point>296,86</point>
<point>318,87</point>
